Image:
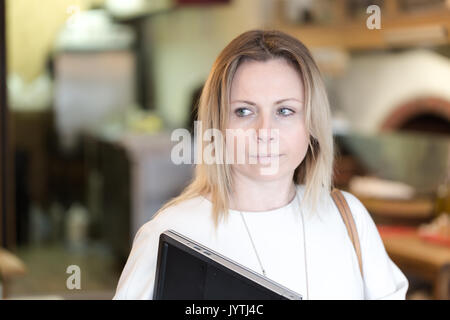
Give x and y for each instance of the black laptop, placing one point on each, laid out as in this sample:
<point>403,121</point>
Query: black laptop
<point>187,270</point>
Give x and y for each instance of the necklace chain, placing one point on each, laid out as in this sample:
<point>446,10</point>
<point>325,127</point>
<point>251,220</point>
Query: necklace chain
<point>304,247</point>
<point>253,244</point>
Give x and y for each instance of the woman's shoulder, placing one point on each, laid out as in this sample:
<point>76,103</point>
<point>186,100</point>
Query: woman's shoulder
<point>361,216</point>
<point>185,211</point>
<point>352,200</point>
<point>136,281</point>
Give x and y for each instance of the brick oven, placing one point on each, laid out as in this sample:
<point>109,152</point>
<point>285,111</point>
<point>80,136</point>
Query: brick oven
<point>428,114</point>
<point>397,108</point>
<point>407,90</point>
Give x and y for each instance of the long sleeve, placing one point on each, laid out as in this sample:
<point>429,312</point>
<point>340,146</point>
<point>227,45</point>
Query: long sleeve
<point>138,276</point>
<point>382,278</point>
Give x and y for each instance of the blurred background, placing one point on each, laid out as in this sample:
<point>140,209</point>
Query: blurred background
<point>94,89</point>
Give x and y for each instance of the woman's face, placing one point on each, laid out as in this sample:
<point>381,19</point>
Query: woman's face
<point>267,103</point>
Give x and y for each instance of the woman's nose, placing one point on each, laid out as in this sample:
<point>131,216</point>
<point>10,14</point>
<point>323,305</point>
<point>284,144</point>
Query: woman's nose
<point>264,129</point>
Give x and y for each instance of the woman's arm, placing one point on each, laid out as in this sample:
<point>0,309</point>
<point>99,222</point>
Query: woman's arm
<point>138,276</point>
<point>382,278</point>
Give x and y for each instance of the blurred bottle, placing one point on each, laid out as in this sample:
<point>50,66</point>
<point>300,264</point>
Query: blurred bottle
<point>56,216</point>
<point>443,193</point>
<point>39,225</point>
<point>443,199</point>
<point>77,228</point>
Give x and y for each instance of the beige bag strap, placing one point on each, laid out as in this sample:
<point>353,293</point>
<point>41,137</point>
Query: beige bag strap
<point>347,216</point>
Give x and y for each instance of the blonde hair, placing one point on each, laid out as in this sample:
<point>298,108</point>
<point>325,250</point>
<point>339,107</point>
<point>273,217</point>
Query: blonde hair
<point>315,171</point>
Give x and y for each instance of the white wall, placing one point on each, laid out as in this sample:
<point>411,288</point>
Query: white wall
<point>186,43</point>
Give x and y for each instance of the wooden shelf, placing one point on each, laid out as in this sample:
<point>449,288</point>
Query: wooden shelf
<point>397,30</point>
<point>421,208</point>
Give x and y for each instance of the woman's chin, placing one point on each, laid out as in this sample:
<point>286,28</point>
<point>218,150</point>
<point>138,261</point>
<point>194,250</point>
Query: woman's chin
<point>265,172</point>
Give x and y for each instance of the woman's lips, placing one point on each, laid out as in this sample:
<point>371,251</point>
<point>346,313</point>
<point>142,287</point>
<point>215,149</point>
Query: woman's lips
<point>266,158</point>
<point>266,155</point>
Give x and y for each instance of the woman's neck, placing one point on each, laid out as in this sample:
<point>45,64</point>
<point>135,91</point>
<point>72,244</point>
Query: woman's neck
<point>251,195</point>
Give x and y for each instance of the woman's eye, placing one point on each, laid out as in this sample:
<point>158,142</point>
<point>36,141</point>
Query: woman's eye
<point>242,112</point>
<point>285,111</point>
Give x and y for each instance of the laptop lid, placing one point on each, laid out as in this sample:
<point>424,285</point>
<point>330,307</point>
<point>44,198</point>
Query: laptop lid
<point>187,270</point>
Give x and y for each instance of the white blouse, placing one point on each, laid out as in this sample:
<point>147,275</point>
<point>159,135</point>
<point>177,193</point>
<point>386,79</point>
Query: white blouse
<point>332,264</point>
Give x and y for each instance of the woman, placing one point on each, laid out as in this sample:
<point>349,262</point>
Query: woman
<point>266,90</point>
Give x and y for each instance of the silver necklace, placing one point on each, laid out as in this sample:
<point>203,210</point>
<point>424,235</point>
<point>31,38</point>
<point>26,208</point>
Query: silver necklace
<point>304,246</point>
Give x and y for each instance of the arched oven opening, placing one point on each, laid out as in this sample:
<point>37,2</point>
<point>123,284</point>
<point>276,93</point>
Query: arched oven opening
<point>428,115</point>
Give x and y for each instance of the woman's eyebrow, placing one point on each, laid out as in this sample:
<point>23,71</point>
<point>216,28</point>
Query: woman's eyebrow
<point>276,102</point>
